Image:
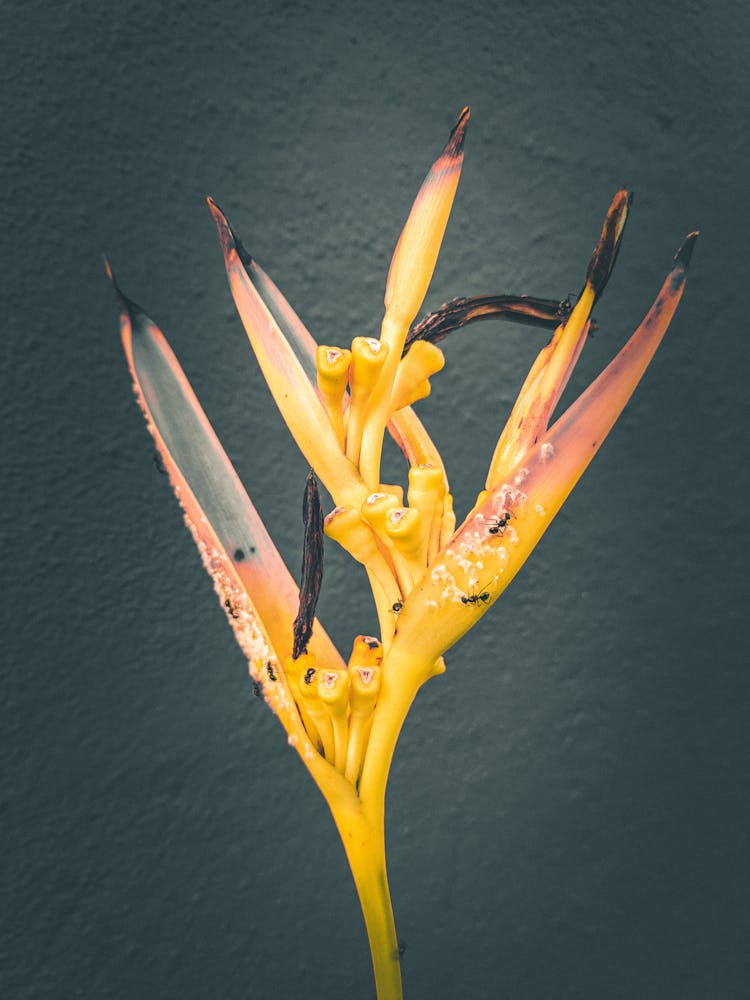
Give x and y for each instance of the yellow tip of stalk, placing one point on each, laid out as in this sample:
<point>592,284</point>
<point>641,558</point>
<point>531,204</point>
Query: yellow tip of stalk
<point>426,493</point>
<point>419,244</point>
<point>332,364</point>
<point>368,357</point>
<point>414,370</point>
<point>363,688</point>
<point>333,690</point>
<point>367,651</point>
<point>375,507</point>
<point>405,526</point>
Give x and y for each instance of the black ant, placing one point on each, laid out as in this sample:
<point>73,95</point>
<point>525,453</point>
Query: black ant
<point>309,674</point>
<point>269,671</point>
<point>484,597</point>
<point>395,608</point>
<point>159,463</point>
<point>498,525</point>
<point>230,608</point>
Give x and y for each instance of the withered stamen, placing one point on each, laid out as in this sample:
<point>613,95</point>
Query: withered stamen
<point>526,309</point>
<point>312,565</point>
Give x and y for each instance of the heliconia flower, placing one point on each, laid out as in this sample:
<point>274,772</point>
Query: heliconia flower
<point>430,580</point>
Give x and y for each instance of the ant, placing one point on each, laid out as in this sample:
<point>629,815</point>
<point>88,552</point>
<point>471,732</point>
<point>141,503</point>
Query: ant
<point>228,605</point>
<point>309,674</point>
<point>498,525</point>
<point>484,597</point>
<point>269,671</point>
<point>395,608</point>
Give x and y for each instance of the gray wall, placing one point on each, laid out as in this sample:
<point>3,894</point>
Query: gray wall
<point>567,812</point>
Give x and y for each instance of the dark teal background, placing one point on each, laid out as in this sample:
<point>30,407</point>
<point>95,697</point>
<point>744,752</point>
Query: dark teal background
<point>568,807</point>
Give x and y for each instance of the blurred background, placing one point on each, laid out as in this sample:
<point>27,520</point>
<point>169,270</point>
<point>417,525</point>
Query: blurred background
<point>568,807</point>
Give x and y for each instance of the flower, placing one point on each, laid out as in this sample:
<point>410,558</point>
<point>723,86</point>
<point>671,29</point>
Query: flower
<point>430,580</point>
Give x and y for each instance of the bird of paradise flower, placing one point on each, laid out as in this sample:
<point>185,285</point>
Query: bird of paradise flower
<point>430,581</point>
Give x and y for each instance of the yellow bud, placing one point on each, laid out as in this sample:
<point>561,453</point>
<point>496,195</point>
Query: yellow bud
<point>375,508</point>
<point>367,651</point>
<point>311,703</point>
<point>345,526</point>
<point>363,689</point>
<point>405,530</point>
<point>426,492</point>
<point>410,383</point>
<point>333,690</point>
<point>333,372</point>
<point>333,367</point>
<point>368,358</point>
<point>405,527</point>
<point>296,671</point>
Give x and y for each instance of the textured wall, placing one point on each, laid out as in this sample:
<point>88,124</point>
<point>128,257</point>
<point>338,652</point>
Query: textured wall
<point>568,805</point>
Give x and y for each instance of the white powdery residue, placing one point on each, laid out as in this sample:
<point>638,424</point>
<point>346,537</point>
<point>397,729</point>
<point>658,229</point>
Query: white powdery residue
<point>253,645</point>
<point>486,550</point>
<point>432,605</point>
<point>501,554</point>
<point>508,498</point>
<point>373,344</point>
<point>521,476</point>
<point>453,594</point>
<point>512,535</point>
<point>540,510</point>
<point>464,562</point>
<point>292,739</point>
<point>547,451</point>
<point>283,703</point>
<point>440,574</point>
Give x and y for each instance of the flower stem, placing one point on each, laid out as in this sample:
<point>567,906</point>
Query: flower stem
<point>363,837</point>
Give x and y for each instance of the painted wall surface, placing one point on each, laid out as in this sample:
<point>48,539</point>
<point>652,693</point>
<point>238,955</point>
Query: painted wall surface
<point>568,808</point>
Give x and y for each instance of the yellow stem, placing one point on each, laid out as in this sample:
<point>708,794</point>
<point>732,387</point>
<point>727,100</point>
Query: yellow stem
<point>362,834</point>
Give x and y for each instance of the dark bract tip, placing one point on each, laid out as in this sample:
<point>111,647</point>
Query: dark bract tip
<point>229,239</point>
<point>683,255</point>
<point>132,309</point>
<point>458,134</point>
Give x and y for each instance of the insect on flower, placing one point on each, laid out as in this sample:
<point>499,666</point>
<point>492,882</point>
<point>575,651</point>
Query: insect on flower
<point>483,596</point>
<point>343,717</point>
<point>498,525</point>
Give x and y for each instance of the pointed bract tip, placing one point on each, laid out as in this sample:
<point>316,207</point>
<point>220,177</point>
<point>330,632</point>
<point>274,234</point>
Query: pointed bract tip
<point>683,255</point>
<point>458,134</point>
<point>128,308</point>
<point>604,256</point>
<point>126,305</point>
<point>227,236</point>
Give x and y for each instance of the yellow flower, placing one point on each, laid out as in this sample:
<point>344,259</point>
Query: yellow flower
<point>430,581</point>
